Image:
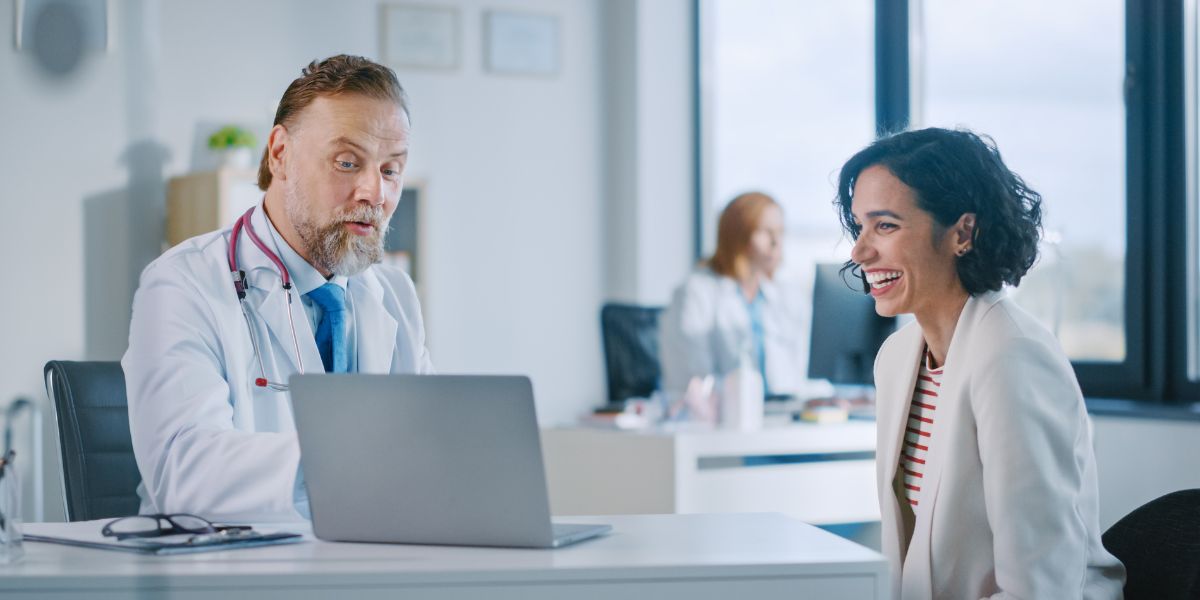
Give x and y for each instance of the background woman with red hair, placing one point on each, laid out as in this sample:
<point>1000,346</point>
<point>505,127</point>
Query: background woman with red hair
<point>729,310</point>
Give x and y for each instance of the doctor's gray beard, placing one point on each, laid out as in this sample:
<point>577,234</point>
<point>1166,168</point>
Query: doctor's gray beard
<point>334,248</point>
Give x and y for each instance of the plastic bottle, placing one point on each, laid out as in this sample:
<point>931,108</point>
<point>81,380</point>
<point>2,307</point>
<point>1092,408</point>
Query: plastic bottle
<point>742,397</point>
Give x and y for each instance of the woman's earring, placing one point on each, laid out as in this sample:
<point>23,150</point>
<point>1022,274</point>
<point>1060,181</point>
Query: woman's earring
<point>962,251</point>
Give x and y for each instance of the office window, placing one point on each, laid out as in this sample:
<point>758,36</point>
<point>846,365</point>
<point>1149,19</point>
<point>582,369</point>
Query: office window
<point>1045,81</point>
<point>787,97</point>
<point>1095,103</point>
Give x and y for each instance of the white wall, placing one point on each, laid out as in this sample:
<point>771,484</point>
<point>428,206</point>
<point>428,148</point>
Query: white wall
<point>1139,460</point>
<point>648,92</point>
<point>60,160</point>
<point>513,169</point>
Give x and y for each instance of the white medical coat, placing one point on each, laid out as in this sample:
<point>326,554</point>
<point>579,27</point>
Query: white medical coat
<point>207,440</point>
<point>706,331</point>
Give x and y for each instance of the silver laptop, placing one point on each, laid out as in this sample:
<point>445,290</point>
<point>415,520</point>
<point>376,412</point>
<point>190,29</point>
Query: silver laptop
<point>426,459</point>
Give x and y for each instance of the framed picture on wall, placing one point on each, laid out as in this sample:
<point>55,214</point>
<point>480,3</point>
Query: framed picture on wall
<point>414,35</point>
<point>521,43</point>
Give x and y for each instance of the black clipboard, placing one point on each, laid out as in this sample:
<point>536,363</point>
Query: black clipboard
<point>179,544</point>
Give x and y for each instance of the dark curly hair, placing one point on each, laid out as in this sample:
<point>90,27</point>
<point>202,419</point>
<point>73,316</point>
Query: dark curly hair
<point>953,172</point>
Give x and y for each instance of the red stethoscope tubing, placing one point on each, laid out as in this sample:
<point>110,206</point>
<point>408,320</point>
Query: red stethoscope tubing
<point>239,285</point>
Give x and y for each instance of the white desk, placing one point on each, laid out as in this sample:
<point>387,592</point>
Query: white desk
<point>693,557</point>
<point>602,471</point>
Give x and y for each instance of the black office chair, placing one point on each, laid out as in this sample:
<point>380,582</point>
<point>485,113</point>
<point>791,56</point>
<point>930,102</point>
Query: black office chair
<point>100,476</point>
<point>631,364</point>
<point>1159,543</point>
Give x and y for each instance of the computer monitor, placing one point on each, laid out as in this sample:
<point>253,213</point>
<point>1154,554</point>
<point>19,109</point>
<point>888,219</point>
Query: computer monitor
<point>846,330</point>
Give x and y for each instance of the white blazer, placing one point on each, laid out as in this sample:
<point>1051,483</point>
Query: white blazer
<point>1009,500</point>
<point>207,440</point>
<point>706,331</point>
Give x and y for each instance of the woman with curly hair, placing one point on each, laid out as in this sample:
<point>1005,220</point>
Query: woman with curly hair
<point>987,478</point>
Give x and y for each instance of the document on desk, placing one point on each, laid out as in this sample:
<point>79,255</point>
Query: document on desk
<point>72,534</point>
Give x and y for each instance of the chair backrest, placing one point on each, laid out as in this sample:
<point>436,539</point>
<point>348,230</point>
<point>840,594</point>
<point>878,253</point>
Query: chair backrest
<point>631,364</point>
<point>100,475</point>
<point>1159,544</point>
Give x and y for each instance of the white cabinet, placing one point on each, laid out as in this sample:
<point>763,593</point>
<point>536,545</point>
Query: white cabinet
<point>821,474</point>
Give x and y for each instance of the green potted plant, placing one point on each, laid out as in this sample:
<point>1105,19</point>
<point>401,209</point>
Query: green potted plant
<point>234,146</point>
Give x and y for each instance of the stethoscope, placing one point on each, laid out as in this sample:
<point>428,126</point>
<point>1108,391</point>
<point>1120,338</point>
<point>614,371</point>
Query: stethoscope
<point>240,286</point>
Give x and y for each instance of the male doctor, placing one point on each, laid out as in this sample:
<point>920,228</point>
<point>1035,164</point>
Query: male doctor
<point>205,373</point>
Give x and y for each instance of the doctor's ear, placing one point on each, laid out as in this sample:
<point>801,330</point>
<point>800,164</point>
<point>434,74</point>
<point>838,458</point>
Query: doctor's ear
<point>277,145</point>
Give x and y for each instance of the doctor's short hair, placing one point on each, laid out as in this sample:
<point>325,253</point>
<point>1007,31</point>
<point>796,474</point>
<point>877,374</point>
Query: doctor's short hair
<point>953,172</point>
<point>341,74</point>
<point>734,229</point>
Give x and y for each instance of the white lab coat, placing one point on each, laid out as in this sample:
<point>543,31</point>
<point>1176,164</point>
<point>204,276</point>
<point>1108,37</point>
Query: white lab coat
<point>207,440</point>
<point>1009,497</point>
<point>706,331</point>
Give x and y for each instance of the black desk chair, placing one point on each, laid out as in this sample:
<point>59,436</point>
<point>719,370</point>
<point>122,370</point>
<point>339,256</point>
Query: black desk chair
<point>100,475</point>
<point>1159,543</point>
<point>631,364</point>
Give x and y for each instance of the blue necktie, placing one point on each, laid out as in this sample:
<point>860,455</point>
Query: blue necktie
<point>759,336</point>
<point>331,331</point>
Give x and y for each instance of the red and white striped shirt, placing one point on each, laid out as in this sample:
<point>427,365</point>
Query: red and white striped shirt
<point>917,433</point>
